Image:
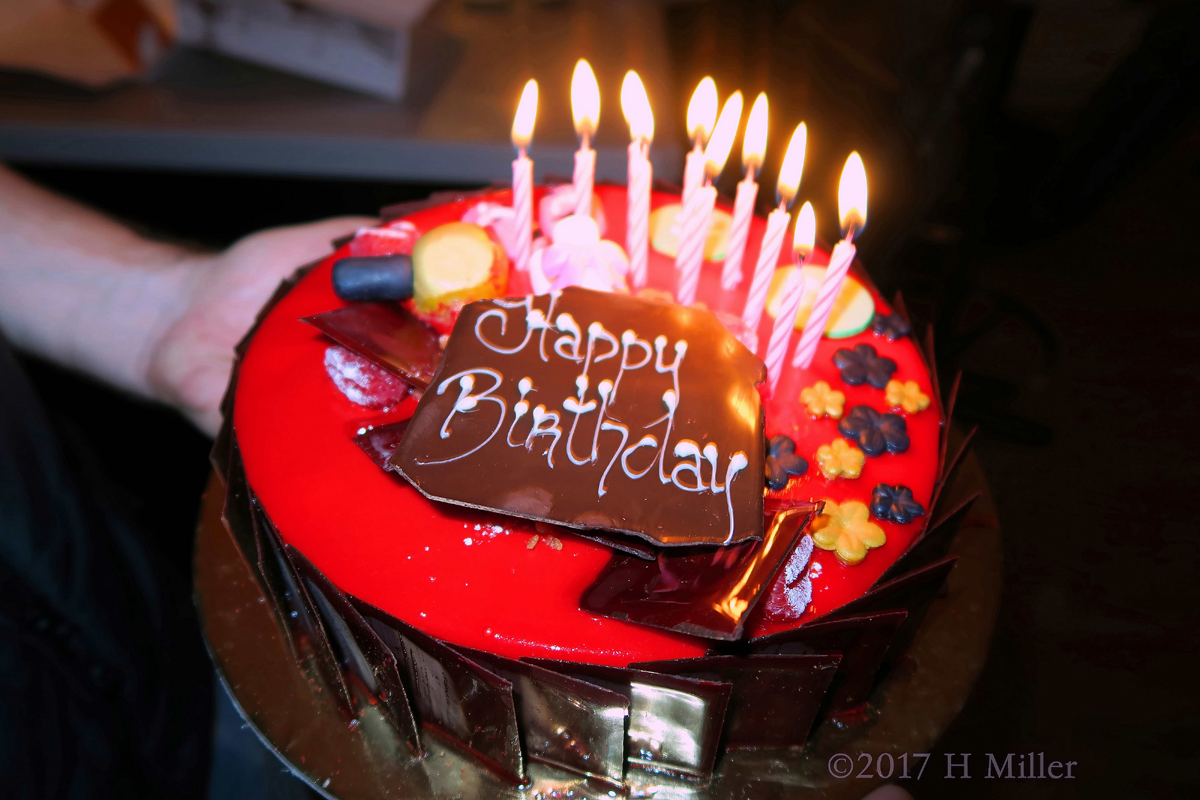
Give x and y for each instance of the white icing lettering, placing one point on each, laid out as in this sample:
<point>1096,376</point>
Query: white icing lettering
<point>540,416</point>
<point>467,402</point>
<point>573,338</point>
<point>686,448</point>
<point>737,463</point>
<point>624,430</point>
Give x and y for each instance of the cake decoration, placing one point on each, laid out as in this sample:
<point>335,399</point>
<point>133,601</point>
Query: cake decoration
<point>358,278</point>
<point>907,396</point>
<point>361,381</point>
<point>455,264</point>
<point>933,543</point>
<point>822,401</point>
<point>698,591</point>
<point>782,462</point>
<point>396,238</point>
<point>846,529</point>
<point>891,326</point>
<point>579,257</point>
<point>839,459</point>
<point>951,467</point>
<point>387,335</point>
<point>895,503</point>
<point>675,723</point>
<point>567,723</point>
<point>861,640</point>
<point>453,695</point>
<point>874,432</point>
<point>864,365</point>
<point>539,410</point>
<point>762,686</point>
<point>379,442</point>
<point>791,594</point>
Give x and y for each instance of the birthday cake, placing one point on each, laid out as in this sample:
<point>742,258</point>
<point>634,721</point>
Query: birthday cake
<point>550,515</point>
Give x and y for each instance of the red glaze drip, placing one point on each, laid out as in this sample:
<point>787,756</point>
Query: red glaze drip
<point>380,540</point>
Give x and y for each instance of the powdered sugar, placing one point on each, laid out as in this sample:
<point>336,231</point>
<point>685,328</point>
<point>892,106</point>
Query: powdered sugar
<point>792,591</point>
<point>361,381</point>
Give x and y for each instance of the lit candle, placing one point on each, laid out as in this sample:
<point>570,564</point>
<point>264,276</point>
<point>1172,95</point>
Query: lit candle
<point>522,187</point>
<point>852,209</point>
<point>636,107</point>
<point>793,290</point>
<point>697,214</point>
<point>701,116</point>
<point>772,242</point>
<point>585,109</point>
<point>754,144</point>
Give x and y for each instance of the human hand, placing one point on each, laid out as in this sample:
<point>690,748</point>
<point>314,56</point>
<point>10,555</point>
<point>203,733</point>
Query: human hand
<point>190,365</point>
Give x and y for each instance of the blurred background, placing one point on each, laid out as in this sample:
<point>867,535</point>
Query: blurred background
<point>1034,171</point>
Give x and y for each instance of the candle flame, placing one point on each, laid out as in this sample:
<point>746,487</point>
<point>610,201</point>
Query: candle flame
<point>522,127</point>
<point>636,107</point>
<point>721,142</point>
<point>585,99</point>
<point>754,143</point>
<point>702,111</point>
<point>806,232</point>
<point>852,194</point>
<point>793,164</point>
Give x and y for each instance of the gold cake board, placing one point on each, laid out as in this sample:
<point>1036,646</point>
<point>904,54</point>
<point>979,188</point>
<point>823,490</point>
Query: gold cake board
<point>296,718</point>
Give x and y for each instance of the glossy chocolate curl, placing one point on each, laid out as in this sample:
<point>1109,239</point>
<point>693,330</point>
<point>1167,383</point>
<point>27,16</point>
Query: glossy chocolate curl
<point>675,723</point>
<point>913,591</point>
<point>933,544</point>
<point>379,442</point>
<point>862,641</point>
<point>775,698</point>
<point>362,654</point>
<point>702,592</point>
<point>387,335</point>
<point>360,278</point>
<point>950,468</point>
<point>565,722</point>
<point>595,411</point>
<point>454,696</point>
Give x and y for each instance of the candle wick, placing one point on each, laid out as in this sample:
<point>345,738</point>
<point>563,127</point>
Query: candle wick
<point>849,237</point>
<point>521,151</point>
<point>586,139</point>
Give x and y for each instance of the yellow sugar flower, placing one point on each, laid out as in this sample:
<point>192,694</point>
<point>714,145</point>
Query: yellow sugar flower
<point>907,396</point>
<point>847,529</point>
<point>840,459</point>
<point>823,401</point>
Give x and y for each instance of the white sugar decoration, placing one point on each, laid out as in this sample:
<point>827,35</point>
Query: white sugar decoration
<point>799,596</point>
<point>468,542</point>
<point>798,560</point>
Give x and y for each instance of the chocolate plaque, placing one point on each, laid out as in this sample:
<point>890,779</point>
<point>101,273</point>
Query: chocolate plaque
<point>595,410</point>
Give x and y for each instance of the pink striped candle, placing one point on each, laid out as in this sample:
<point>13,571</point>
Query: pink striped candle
<point>523,209</point>
<point>637,231</point>
<point>739,231</point>
<point>768,257</point>
<point>785,323</point>
<point>693,173</point>
<point>585,112</point>
<point>839,264</point>
<point>585,176</point>
<point>697,217</point>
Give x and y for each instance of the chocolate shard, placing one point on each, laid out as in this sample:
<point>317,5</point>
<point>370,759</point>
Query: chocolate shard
<point>308,632</point>
<point>703,592</point>
<point>385,334</point>
<point>900,307</point>
<point>675,723</point>
<point>935,390</point>
<point>363,656</point>
<point>912,591</point>
<point>398,210</point>
<point>933,544</point>
<point>453,696</point>
<point>594,410</point>
<point>613,541</point>
<point>235,512</point>
<point>775,698</point>
<point>565,722</point>
<point>379,442</point>
<point>950,469</point>
<point>947,419</point>
<point>862,640</point>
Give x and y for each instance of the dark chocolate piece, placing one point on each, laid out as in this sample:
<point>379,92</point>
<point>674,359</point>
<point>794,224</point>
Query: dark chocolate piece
<point>947,419</point>
<point>861,640</point>
<point>565,722</point>
<point>614,541</point>
<point>379,442</point>
<point>595,410</point>
<point>235,512</point>
<point>895,503</point>
<point>935,389</point>
<point>782,462</point>
<point>307,629</point>
<point>704,592</point>
<point>452,695</point>
<point>864,365</point>
<point>387,335</point>
<point>932,544</point>
<point>892,327</point>
<point>362,654</point>
<point>874,432</point>
<point>360,278</point>
<point>900,307</point>
<point>675,723</point>
<point>950,469</point>
<point>913,591</point>
<point>775,698</point>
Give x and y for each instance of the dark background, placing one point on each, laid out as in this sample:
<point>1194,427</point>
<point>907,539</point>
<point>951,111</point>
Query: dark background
<point>1035,178</point>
